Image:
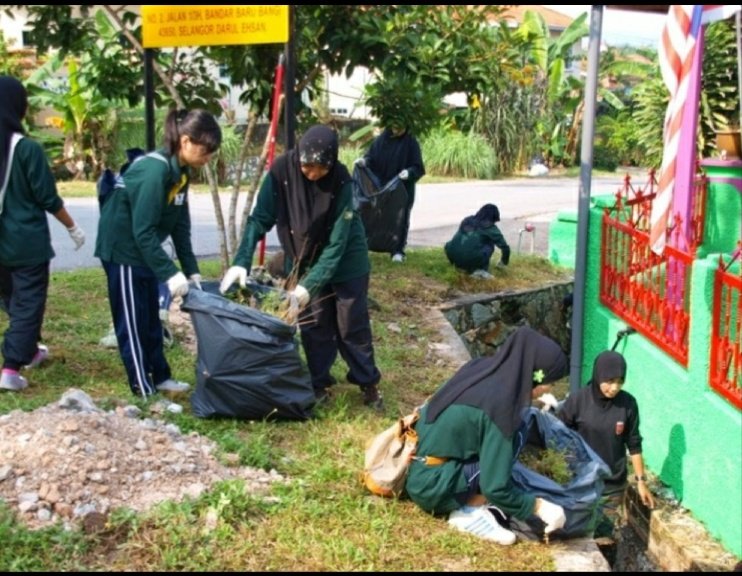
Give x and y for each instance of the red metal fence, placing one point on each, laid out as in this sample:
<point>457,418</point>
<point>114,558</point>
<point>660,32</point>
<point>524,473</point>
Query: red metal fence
<point>726,340</point>
<point>650,292</point>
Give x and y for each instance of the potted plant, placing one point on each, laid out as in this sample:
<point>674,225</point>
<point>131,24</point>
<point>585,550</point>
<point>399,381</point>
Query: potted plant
<point>720,103</point>
<point>728,143</point>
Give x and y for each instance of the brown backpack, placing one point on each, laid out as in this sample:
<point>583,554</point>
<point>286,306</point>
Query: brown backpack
<point>388,457</point>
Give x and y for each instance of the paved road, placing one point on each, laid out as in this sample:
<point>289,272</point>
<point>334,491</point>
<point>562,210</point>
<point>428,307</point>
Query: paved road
<point>438,210</point>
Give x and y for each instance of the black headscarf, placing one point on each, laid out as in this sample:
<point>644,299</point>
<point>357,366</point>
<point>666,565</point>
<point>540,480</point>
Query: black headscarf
<point>13,106</point>
<point>305,208</point>
<point>608,365</point>
<point>486,217</point>
<point>501,385</point>
<point>391,154</point>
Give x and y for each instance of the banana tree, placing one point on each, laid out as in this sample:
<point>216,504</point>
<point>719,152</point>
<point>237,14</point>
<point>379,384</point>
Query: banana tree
<point>84,116</point>
<point>553,58</point>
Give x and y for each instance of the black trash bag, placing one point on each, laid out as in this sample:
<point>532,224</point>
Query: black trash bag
<point>382,209</point>
<point>248,364</point>
<point>580,498</point>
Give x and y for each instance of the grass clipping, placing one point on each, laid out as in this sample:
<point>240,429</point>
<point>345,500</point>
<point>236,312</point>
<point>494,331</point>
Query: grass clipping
<point>549,462</point>
<point>270,301</point>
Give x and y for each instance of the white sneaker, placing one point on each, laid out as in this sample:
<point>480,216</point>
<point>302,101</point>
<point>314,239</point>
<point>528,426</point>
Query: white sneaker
<point>482,274</point>
<point>109,340</point>
<point>480,522</point>
<point>172,386</point>
<point>13,382</point>
<point>42,353</point>
<point>398,258</point>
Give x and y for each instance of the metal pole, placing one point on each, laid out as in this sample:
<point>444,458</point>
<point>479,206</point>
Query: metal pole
<point>289,92</point>
<point>583,220</point>
<point>149,98</point>
<point>275,111</point>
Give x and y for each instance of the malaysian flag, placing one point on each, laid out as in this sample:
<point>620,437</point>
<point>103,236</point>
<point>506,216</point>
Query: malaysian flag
<point>680,56</point>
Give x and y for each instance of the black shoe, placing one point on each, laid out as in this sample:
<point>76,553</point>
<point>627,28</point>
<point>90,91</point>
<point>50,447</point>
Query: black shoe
<point>372,398</point>
<point>322,396</point>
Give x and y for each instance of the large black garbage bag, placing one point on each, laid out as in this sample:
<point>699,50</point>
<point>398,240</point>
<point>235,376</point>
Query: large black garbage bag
<point>382,209</point>
<point>580,498</point>
<point>248,364</point>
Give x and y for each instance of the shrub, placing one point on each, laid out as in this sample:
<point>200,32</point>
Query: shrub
<point>453,153</point>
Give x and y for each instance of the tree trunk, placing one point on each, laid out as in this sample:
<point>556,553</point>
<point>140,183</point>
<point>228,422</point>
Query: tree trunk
<point>235,235</point>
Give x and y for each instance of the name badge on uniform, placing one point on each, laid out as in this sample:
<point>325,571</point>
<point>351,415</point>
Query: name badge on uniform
<point>177,195</point>
<point>619,428</point>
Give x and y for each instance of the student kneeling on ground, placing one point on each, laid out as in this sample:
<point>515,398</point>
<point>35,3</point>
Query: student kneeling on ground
<point>472,246</point>
<point>464,455</point>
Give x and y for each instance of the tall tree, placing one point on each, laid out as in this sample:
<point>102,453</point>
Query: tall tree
<point>418,53</point>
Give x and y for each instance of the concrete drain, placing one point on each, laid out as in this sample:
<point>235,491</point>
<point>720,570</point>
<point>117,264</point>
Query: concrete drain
<point>666,539</point>
<point>628,553</point>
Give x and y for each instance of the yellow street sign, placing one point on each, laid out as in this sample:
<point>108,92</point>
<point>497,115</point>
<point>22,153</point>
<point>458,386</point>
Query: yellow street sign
<point>172,26</point>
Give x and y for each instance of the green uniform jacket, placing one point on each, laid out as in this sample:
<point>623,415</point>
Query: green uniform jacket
<point>344,257</point>
<point>464,250</point>
<point>25,239</point>
<point>464,434</point>
<point>138,218</point>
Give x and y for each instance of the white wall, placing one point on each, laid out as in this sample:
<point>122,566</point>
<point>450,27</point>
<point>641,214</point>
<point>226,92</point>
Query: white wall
<point>345,94</point>
<point>12,28</point>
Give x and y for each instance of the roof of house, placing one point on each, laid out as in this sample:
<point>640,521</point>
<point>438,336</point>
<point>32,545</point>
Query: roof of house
<point>558,21</point>
<point>658,8</point>
<point>554,20</point>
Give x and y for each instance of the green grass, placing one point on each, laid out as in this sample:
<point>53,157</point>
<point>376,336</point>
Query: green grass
<point>322,519</point>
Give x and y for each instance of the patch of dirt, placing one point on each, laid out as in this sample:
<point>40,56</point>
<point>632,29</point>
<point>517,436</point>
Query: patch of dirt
<point>72,462</point>
<point>182,327</point>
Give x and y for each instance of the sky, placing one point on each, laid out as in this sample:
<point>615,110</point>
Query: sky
<point>621,27</point>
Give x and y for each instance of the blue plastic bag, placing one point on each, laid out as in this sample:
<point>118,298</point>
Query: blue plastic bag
<point>580,498</point>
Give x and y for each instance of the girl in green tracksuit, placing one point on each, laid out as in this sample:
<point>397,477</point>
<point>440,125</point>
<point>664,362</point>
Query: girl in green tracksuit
<point>27,194</point>
<point>472,246</point>
<point>150,203</point>
<point>307,196</point>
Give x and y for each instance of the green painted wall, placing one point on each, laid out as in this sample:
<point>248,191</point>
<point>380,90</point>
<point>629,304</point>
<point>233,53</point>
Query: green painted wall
<point>724,206</point>
<point>562,239</point>
<point>692,436</point>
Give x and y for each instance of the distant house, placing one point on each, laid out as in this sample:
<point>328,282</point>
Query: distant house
<point>556,21</point>
<point>12,28</point>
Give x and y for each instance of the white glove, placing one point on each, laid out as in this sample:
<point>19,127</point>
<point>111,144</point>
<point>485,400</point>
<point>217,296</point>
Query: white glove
<point>234,274</point>
<point>552,515</point>
<point>549,401</point>
<point>178,285</point>
<point>78,236</point>
<point>300,296</point>
<point>404,175</point>
<point>360,162</point>
<point>196,279</point>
